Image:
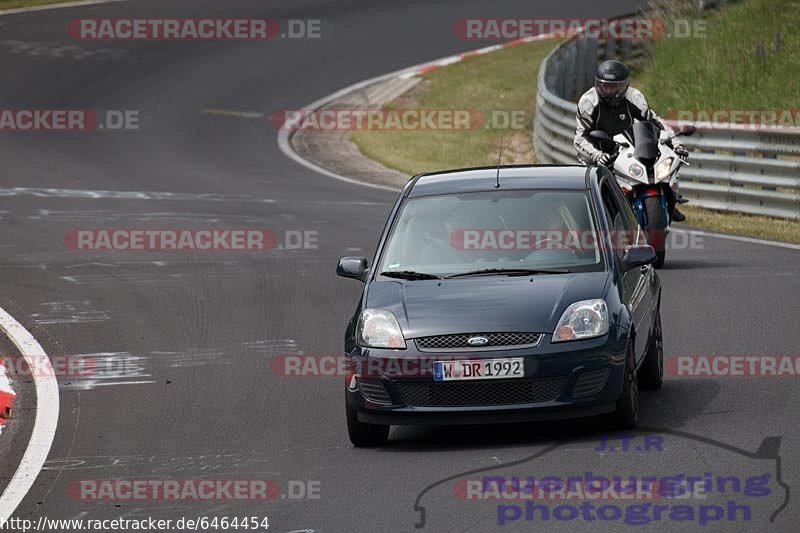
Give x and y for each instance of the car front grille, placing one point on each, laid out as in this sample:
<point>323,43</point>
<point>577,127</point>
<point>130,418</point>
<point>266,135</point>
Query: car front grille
<point>462,394</point>
<point>460,342</point>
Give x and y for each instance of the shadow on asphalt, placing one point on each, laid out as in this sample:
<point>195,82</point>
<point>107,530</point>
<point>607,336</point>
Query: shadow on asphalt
<point>666,408</point>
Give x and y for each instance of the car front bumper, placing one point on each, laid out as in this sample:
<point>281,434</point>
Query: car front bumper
<point>562,380</point>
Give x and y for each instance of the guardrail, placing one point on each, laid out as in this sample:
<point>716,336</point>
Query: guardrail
<point>745,171</point>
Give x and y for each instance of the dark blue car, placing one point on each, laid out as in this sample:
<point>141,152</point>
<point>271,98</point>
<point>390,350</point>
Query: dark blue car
<point>524,293</point>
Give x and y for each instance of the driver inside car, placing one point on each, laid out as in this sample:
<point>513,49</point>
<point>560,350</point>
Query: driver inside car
<point>440,238</point>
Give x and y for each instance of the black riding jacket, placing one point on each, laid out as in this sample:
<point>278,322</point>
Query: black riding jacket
<point>594,114</point>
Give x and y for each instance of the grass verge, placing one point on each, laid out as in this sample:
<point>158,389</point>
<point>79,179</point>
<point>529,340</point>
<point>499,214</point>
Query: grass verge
<point>748,58</point>
<point>776,229</point>
<point>501,84</point>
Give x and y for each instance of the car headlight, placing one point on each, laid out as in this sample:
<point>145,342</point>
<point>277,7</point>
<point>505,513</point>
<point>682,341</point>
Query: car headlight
<point>378,328</point>
<point>582,320</point>
<point>662,170</point>
<point>635,170</point>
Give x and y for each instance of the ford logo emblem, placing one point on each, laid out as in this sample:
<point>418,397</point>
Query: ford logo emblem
<point>477,341</point>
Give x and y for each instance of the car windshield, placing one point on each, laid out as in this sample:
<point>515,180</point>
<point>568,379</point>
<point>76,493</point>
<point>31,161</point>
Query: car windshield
<point>498,232</point>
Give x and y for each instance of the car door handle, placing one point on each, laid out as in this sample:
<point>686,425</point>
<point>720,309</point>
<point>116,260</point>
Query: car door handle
<point>644,269</point>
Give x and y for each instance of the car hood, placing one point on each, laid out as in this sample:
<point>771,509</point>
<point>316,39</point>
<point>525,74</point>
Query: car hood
<point>483,304</point>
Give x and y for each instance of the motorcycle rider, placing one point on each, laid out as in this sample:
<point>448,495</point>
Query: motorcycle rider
<point>612,106</point>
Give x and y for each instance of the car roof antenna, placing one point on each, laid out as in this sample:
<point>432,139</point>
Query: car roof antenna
<point>499,157</point>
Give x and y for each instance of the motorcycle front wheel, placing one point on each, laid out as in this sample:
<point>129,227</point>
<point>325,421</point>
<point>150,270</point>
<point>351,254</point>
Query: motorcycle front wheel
<point>656,219</point>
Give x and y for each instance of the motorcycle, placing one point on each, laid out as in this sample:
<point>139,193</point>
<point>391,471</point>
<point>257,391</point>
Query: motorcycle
<point>646,168</point>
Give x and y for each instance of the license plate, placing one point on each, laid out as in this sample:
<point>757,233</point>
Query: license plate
<point>471,369</point>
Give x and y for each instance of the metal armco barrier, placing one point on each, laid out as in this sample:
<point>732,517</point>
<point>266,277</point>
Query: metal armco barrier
<point>738,170</point>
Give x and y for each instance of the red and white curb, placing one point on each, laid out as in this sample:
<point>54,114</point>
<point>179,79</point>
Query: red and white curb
<point>438,63</point>
<point>7,396</point>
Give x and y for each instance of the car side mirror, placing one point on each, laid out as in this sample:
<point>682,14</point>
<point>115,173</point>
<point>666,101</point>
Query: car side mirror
<point>687,131</point>
<point>353,267</point>
<point>637,255</point>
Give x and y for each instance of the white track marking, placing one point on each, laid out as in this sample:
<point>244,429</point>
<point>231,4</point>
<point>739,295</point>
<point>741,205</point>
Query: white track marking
<point>60,5</point>
<point>739,238</point>
<point>44,426</point>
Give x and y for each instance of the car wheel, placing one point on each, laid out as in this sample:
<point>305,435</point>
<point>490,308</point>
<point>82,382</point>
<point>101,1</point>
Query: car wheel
<point>652,371</point>
<point>362,434</point>
<point>626,415</point>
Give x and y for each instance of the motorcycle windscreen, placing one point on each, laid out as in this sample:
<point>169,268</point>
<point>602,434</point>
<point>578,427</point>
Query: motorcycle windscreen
<point>645,138</point>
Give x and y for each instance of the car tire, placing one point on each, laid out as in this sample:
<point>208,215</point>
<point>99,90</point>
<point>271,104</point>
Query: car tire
<point>656,228</point>
<point>652,370</point>
<point>626,414</point>
<point>362,434</point>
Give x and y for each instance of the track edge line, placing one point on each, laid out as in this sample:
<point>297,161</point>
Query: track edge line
<point>45,423</point>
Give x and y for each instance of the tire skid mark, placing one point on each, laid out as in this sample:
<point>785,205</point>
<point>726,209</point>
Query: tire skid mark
<point>69,312</point>
<point>275,347</point>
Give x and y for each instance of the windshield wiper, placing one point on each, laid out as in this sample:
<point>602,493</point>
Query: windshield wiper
<point>409,274</point>
<point>508,272</point>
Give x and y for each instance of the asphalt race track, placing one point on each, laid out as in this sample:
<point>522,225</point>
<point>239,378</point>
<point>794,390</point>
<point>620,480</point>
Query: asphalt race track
<point>193,333</point>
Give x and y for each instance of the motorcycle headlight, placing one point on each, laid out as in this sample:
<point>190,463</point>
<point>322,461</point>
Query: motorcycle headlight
<point>635,170</point>
<point>582,320</point>
<point>378,328</point>
<point>662,170</point>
